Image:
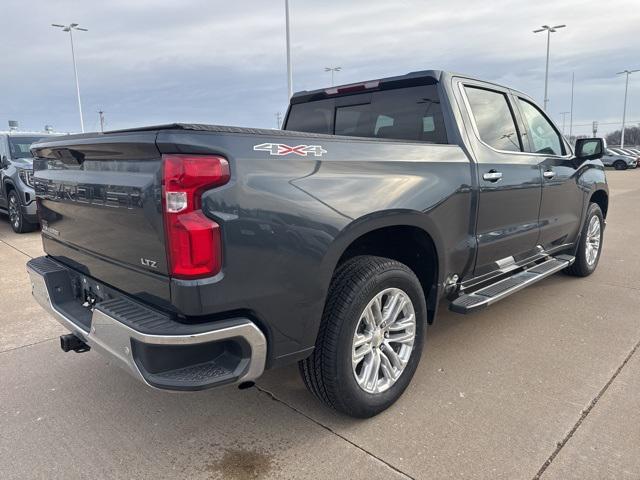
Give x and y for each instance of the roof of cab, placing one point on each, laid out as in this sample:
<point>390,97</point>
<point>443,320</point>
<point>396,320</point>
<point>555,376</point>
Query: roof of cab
<point>422,77</point>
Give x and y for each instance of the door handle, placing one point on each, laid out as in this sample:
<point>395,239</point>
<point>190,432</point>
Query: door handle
<point>492,176</point>
<point>549,174</point>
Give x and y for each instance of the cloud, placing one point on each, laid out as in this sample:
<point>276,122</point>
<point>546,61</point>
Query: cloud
<point>222,62</point>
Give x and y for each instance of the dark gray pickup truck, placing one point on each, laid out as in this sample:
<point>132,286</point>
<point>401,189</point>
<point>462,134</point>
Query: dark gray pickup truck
<point>197,256</point>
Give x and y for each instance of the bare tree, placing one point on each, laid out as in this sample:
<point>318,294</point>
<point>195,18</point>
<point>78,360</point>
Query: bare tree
<point>631,136</point>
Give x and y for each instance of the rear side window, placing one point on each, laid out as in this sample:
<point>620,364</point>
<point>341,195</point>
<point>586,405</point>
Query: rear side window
<point>494,119</point>
<point>543,135</point>
<point>412,113</point>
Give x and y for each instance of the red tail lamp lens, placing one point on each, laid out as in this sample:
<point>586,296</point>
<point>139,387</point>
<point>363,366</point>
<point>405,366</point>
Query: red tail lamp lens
<point>194,242</point>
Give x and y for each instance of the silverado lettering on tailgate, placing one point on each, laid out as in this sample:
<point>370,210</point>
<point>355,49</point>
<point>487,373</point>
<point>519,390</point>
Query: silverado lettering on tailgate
<point>89,194</point>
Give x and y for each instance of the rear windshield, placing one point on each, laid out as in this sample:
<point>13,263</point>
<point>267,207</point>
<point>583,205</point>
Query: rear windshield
<point>411,113</point>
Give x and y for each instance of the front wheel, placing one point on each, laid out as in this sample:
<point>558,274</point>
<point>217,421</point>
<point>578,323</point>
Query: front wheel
<point>590,245</point>
<point>19,224</point>
<point>620,165</point>
<point>370,339</point>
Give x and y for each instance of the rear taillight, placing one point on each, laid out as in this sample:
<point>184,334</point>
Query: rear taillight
<point>194,243</point>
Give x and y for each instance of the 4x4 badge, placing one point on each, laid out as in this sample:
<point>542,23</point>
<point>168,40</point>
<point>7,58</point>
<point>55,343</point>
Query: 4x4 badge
<point>280,149</point>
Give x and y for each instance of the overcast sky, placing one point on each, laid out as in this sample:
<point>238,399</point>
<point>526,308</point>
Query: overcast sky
<point>221,62</point>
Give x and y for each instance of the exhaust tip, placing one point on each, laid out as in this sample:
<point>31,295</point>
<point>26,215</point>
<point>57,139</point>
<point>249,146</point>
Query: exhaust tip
<point>245,385</point>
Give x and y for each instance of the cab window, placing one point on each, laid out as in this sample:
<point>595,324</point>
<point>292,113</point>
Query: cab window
<point>494,119</point>
<point>409,113</point>
<point>544,138</point>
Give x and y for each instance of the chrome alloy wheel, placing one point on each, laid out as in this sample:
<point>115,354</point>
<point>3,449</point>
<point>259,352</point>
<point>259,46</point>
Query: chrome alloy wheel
<point>383,340</point>
<point>594,234</point>
<point>14,212</point>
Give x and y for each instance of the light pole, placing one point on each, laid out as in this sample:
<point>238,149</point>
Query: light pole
<point>549,31</point>
<point>573,78</point>
<point>69,28</point>
<point>289,71</point>
<point>624,110</point>
<point>332,70</point>
<point>101,114</point>
<point>564,120</point>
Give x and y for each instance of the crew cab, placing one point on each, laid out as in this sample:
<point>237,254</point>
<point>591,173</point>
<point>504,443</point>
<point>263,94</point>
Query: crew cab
<point>196,256</point>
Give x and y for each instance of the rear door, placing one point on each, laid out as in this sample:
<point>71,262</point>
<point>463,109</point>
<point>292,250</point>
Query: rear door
<point>562,196</point>
<point>510,182</point>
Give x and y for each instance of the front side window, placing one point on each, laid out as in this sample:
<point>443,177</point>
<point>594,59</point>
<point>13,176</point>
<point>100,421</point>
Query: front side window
<point>544,137</point>
<point>494,119</point>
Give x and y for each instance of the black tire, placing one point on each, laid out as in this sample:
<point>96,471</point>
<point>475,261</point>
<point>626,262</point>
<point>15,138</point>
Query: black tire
<point>581,267</point>
<point>19,224</point>
<point>328,373</point>
<point>620,165</point>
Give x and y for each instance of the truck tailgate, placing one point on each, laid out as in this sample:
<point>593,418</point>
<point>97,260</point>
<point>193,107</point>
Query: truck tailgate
<point>101,209</point>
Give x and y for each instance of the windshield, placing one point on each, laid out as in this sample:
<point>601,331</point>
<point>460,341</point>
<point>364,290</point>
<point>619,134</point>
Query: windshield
<point>20,146</point>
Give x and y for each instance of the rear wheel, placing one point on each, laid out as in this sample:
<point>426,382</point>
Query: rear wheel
<point>620,165</point>
<point>590,245</point>
<point>370,339</point>
<point>16,217</point>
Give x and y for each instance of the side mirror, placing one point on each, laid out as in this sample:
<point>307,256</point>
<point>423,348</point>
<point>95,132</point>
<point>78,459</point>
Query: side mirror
<point>590,148</point>
<point>4,162</point>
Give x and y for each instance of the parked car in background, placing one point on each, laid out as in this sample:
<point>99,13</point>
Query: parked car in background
<point>619,161</point>
<point>17,198</point>
<point>625,151</point>
<point>635,150</point>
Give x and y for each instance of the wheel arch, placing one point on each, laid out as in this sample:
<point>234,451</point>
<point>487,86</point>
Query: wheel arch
<point>601,198</point>
<point>406,236</point>
<point>8,186</point>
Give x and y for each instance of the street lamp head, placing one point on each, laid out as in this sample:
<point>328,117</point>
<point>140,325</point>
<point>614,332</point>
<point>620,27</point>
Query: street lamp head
<point>628,72</point>
<point>68,28</point>
<point>545,28</point>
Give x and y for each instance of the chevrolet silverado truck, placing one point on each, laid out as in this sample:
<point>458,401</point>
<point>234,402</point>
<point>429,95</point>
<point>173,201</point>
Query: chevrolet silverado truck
<point>197,256</point>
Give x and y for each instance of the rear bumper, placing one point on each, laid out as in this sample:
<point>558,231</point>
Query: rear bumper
<point>157,350</point>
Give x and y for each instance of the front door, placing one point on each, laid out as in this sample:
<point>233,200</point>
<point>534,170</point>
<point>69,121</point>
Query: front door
<point>510,182</point>
<point>562,197</point>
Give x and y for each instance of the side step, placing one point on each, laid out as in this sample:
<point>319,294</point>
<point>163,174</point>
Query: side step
<point>495,292</point>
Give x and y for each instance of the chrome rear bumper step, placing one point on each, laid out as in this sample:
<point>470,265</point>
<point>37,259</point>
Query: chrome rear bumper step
<point>495,292</point>
<point>150,345</point>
